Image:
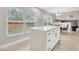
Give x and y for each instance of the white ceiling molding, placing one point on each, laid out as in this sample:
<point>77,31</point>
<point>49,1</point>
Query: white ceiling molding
<point>61,9</point>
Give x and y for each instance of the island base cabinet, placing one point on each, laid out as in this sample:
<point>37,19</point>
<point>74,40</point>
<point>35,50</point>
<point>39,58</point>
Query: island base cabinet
<point>41,40</point>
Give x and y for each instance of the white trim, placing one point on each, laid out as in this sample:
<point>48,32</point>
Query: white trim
<point>30,21</point>
<point>7,22</point>
<point>15,34</point>
<point>16,21</point>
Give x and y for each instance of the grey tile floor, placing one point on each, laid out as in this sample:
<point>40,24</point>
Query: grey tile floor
<point>68,42</point>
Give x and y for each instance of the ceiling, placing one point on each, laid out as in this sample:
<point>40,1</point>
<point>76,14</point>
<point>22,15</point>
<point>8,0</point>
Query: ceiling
<point>60,9</point>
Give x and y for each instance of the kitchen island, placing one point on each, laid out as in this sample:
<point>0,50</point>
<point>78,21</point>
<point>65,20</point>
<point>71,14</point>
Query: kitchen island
<point>44,38</point>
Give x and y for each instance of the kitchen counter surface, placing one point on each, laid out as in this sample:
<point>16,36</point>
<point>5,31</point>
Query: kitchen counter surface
<point>44,28</point>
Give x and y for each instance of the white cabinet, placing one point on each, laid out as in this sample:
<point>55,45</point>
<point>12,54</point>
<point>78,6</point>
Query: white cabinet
<point>44,38</point>
<point>53,38</point>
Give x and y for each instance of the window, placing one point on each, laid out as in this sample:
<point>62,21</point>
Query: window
<point>15,22</point>
<point>20,20</point>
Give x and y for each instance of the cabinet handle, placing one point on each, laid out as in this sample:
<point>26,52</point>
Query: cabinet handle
<point>53,31</point>
<point>49,40</point>
<point>48,33</point>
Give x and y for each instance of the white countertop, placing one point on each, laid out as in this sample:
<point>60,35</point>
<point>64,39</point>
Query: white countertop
<point>44,28</point>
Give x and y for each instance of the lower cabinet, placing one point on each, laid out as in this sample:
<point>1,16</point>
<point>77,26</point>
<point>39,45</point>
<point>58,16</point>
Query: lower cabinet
<point>53,38</point>
<point>42,39</point>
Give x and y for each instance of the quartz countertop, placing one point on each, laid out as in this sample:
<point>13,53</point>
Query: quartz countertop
<point>44,28</point>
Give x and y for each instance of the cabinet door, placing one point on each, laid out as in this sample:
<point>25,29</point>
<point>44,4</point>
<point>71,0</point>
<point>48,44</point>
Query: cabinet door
<point>57,33</point>
<point>53,35</point>
<point>49,45</point>
<point>49,38</point>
